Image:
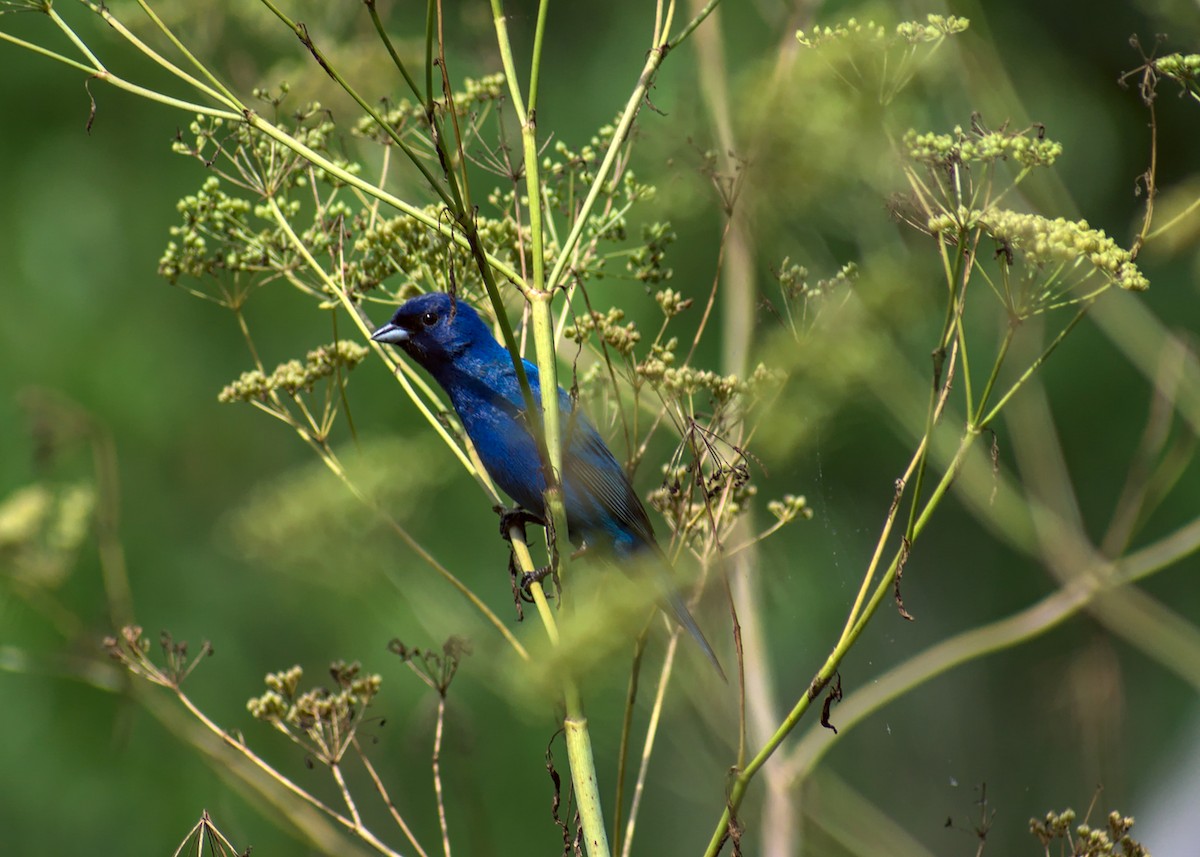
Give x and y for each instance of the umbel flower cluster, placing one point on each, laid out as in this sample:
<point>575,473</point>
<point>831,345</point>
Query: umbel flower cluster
<point>295,376</point>
<point>913,32</point>
<point>1044,242</point>
<point>1184,69</point>
<point>1112,840</point>
<point>959,147</point>
<point>322,719</point>
<point>960,185</point>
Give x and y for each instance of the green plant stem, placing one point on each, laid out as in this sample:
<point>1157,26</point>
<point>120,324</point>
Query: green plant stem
<point>635,672</point>
<point>575,724</point>
<point>579,748</point>
<point>225,92</point>
<point>432,562</point>
<point>1033,367</point>
<point>351,824</point>
<point>466,215</point>
<point>71,34</point>
<point>46,52</point>
<point>219,94</point>
<point>543,341</point>
<point>431,8</point>
<point>578,739</point>
<point>99,73</point>
<point>1009,332</point>
<point>696,21</point>
<point>535,62</point>
<point>371,190</point>
<point>1175,221</point>
<point>890,518</point>
<point>538,294</point>
<point>652,728</point>
<point>504,43</point>
<point>277,134</point>
<point>886,582</point>
<point>940,371</point>
<point>527,117</point>
<point>468,238</point>
<point>437,771</point>
<point>1080,592</point>
<point>583,771</point>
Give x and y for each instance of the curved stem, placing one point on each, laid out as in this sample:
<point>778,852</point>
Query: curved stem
<point>741,782</point>
<point>660,695</point>
<point>1074,596</point>
<point>854,630</point>
<point>437,773</point>
<point>225,93</point>
<point>635,672</point>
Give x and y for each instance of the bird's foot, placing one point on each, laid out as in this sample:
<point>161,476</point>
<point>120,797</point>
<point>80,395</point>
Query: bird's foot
<point>515,517</point>
<point>538,575</point>
<point>521,583</point>
<point>514,575</point>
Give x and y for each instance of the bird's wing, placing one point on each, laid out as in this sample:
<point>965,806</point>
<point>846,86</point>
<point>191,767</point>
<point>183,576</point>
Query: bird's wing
<point>590,468</point>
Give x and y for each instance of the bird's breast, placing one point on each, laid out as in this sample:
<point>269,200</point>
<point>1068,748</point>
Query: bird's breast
<point>500,435</point>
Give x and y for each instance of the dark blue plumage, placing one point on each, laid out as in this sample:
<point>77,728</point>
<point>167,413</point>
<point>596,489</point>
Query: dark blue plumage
<point>453,344</point>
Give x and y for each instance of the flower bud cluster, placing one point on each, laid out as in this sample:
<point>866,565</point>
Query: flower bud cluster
<point>1042,241</point>
<point>961,147</point>
<point>293,376</point>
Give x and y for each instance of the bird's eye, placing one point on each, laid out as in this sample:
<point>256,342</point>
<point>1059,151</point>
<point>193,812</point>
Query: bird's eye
<point>429,319</point>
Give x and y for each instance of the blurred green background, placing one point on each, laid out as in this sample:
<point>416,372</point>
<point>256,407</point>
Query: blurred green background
<point>90,770</point>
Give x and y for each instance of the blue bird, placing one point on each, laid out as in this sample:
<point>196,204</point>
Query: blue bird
<point>450,340</point>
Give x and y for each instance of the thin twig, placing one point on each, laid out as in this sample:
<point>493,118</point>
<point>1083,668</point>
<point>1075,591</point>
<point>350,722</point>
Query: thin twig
<point>387,798</point>
<point>437,773</point>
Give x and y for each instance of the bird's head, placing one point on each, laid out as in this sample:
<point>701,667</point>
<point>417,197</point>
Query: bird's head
<point>435,329</point>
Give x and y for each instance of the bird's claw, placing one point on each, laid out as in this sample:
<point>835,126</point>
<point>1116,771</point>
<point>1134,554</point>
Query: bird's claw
<point>536,576</point>
<point>515,517</point>
<point>515,577</point>
<point>521,582</point>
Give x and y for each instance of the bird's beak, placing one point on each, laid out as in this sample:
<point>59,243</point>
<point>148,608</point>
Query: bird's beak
<point>391,333</point>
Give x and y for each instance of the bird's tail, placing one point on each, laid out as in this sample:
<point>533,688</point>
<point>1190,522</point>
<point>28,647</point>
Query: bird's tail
<point>675,602</point>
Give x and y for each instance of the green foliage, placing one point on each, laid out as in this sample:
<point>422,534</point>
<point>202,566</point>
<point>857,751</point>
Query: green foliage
<point>696,376</point>
<point>42,528</point>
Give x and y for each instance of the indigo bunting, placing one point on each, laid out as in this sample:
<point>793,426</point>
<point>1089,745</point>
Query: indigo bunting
<point>604,515</point>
